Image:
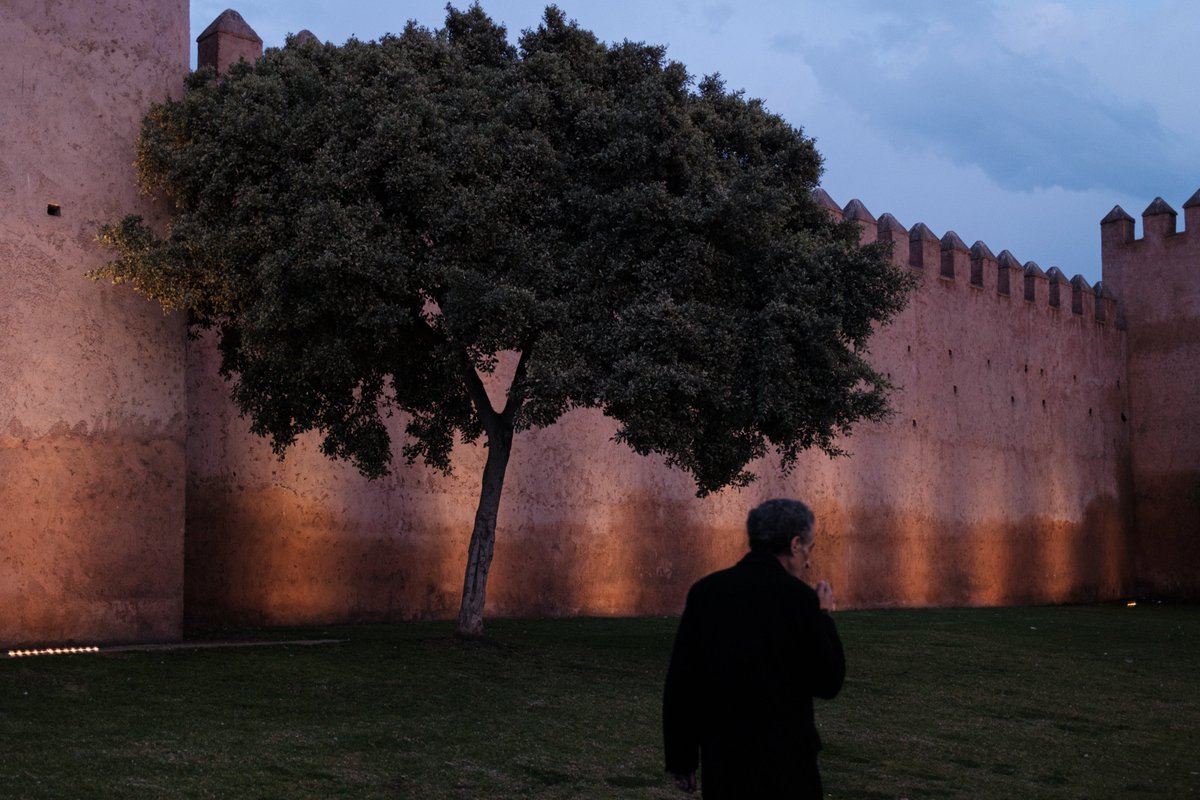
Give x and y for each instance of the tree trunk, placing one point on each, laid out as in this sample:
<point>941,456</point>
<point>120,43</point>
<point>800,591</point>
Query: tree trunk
<point>499,426</point>
<point>483,536</point>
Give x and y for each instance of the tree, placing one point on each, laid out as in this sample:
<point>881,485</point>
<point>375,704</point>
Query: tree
<point>368,227</point>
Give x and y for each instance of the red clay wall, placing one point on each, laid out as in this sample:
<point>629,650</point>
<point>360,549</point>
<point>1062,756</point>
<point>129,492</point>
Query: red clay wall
<point>1004,476</point>
<point>92,403</point>
<point>999,480</point>
<point>1158,280</point>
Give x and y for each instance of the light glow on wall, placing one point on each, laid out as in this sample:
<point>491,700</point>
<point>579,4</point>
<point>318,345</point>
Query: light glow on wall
<point>52,651</point>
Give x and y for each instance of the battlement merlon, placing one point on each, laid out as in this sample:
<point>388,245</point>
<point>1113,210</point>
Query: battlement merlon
<point>1106,303</point>
<point>890,230</point>
<point>984,268</point>
<point>1036,289</point>
<point>1056,278</point>
<point>868,226</point>
<point>924,248</point>
<point>822,198</point>
<point>956,257</point>
<point>1008,272</point>
<point>1083,298</point>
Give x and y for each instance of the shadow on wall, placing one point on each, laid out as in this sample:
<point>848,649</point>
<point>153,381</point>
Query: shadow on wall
<point>272,556</point>
<point>593,529</point>
<point>308,540</point>
<point>588,527</point>
<point>1168,506</point>
<point>91,538</point>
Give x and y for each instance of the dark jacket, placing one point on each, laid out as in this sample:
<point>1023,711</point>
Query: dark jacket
<point>752,650</point>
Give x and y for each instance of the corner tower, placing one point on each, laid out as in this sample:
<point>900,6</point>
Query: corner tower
<point>92,404</point>
<point>1157,284</point>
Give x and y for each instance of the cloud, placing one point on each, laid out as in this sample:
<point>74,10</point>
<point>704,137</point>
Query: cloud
<point>943,82</point>
<point>718,16</point>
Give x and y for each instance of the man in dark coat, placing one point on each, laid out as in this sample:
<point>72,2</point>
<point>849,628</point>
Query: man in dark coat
<point>755,645</point>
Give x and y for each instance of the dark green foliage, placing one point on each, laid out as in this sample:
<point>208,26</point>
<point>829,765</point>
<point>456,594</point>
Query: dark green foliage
<point>368,226</point>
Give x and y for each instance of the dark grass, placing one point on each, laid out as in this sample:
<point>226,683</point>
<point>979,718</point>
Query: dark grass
<point>1074,702</point>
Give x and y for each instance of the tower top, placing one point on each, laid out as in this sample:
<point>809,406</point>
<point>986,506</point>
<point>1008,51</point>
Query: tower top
<point>231,23</point>
<point>226,41</point>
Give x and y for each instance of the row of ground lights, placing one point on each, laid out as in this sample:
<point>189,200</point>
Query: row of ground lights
<point>52,651</point>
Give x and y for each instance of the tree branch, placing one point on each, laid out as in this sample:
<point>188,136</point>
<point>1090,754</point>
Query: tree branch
<point>492,419</point>
<point>516,398</point>
<point>488,415</point>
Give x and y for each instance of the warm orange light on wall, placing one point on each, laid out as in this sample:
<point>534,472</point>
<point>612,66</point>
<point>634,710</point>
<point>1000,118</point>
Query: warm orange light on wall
<point>52,651</point>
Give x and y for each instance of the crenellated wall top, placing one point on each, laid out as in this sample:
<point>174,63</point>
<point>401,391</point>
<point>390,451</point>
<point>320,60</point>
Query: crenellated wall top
<point>1137,269</point>
<point>1158,224</point>
<point>949,258</point>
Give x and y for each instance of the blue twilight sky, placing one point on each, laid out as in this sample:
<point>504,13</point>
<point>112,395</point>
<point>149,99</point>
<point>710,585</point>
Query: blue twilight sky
<point>1020,123</point>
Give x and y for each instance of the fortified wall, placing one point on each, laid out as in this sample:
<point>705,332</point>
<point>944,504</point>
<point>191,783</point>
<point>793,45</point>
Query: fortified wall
<point>92,404</point>
<point>1157,279</point>
<point>1039,450</point>
<point>1002,478</point>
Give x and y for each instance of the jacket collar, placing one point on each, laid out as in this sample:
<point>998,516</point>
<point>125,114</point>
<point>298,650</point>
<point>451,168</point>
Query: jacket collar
<point>762,561</point>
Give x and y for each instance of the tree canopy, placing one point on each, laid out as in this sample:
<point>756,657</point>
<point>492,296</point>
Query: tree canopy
<point>368,226</point>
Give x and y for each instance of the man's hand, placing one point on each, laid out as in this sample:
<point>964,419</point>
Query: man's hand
<point>825,596</point>
<point>686,781</point>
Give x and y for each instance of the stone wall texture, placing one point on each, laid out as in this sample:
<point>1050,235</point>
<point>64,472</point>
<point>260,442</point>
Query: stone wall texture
<point>1158,286</point>
<point>92,403</point>
<point>1041,449</point>
<point>1002,478</point>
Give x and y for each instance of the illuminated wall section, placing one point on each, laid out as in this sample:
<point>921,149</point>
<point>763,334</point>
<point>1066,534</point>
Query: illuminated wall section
<point>1157,280</point>
<point>1005,475</point>
<point>1001,479</point>
<point>91,377</point>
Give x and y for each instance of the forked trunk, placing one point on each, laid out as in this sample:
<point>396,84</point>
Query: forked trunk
<point>483,536</point>
<point>499,426</point>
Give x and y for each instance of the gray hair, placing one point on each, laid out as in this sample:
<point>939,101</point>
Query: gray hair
<point>772,525</point>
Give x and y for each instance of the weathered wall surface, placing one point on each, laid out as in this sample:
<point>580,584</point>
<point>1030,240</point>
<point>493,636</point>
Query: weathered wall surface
<point>1000,479</point>
<point>92,402</point>
<point>1158,280</point>
<point>1025,416</point>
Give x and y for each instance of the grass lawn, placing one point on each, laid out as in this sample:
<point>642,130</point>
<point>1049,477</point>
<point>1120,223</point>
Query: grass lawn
<point>1073,702</point>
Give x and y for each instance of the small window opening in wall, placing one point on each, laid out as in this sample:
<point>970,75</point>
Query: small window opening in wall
<point>1027,368</point>
<point>914,423</point>
<point>989,363</point>
<point>1118,383</point>
<point>1041,372</point>
<point>1043,404</point>
<point>1075,379</point>
<point>910,348</point>
<point>1089,412</point>
<point>951,352</point>
<point>956,390</point>
<point>1012,399</point>
<point>54,209</point>
<point>1123,419</point>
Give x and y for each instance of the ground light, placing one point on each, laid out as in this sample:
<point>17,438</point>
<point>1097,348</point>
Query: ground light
<point>52,651</point>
